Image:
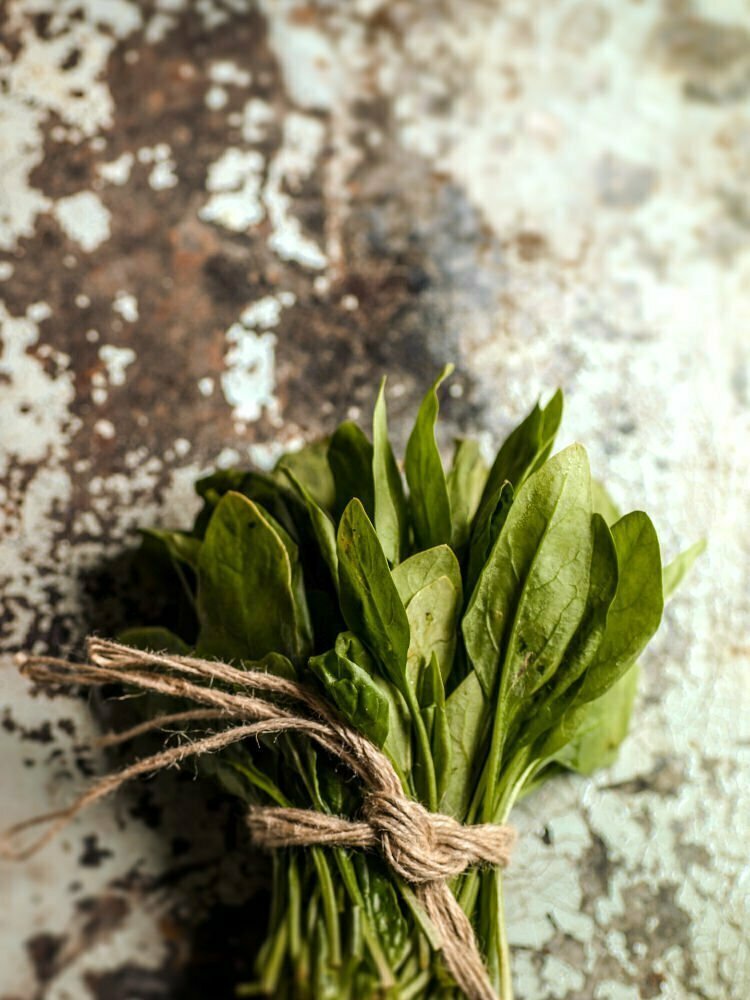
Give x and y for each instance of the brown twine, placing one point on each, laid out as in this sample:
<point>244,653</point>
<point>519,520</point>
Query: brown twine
<point>425,849</point>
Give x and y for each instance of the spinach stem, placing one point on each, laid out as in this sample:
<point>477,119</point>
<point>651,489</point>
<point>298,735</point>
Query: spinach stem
<point>423,744</point>
<point>330,909</point>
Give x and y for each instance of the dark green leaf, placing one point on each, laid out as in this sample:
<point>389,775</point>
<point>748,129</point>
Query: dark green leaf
<point>428,491</point>
<point>524,450</point>
<point>350,458</point>
<point>370,602</point>
<point>246,590</point>
<point>322,526</point>
<point>547,706</point>
<point>309,467</point>
<point>636,610</point>
<point>390,502</point>
<point>532,593</point>
<point>398,742</point>
<point>487,526</point>
<point>180,545</point>
<point>354,693</point>
<point>383,909</point>
<point>154,638</point>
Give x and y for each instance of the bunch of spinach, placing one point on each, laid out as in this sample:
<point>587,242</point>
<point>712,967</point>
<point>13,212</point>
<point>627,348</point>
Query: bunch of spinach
<point>480,625</point>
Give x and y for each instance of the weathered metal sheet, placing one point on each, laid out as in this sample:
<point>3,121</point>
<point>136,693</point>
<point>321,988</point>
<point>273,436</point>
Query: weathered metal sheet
<point>219,223</point>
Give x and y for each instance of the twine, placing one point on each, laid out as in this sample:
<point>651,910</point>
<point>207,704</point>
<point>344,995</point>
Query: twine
<point>423,848</point>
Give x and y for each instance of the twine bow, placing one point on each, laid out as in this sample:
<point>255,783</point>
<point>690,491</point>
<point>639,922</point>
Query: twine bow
<point>423,848</point>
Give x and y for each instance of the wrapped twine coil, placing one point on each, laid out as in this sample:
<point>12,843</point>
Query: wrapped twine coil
<point>424,849</point>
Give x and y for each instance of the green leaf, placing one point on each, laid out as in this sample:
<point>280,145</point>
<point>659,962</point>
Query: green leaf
<point>467,715</point>
<point>466,481</point>
<point>246,587</point>
<point>603,503</point>
<point>309,467</point>
<point>548,704</point>
<point>398,741</point>
<point>323,527</point>
<point>155,639</point>
<point>676,571</point>
<point>354,693</point>
<point>421,569</point>
<point>487,526</point>
<point>259,487</point>
<point>383,909</point>
<point>636,610</point>
<point>525,449</point>
<point>220,482</point>
<point>532,593</point>
<point>370,602</point>
<point>429,501</point>
<point>433,625</point>
<point>432,701</point>
<point>181,546</point>
<point>350,458</point>
<point>603,725</point>
<point>390,502</point>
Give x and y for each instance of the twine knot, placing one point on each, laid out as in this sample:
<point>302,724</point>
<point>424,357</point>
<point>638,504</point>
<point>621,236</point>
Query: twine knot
<point>421,846</point>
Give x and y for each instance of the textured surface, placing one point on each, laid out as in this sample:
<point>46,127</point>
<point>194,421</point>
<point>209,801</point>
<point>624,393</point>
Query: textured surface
<point>219,223</point>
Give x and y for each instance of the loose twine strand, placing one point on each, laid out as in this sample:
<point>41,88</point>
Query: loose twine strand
<point>425,849</point>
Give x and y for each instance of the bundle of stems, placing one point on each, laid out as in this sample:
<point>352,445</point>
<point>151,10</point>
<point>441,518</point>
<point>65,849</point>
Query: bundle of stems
<point>481,625</point>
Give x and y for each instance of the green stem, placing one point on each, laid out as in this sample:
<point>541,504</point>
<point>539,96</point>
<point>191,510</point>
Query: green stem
<point>503,949</point>
<point>330,909</point>
<point>423,744</point>
<point>494,760</point>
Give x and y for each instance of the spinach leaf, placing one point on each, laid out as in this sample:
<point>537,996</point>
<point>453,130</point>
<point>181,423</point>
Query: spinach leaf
<point>532,593</point>
<point>467,716</point>
<point>466,481</point>
<point>154,638</point>
<point>246,599</point>
<point>429,501</point>
<point>487,526</point>
<point>548,704</point>
<point>398,741</point>
<point>181,546</point>
<point>432,700</point>
<point>636,610</point>
<point>323,527</point>
<point>354,693</point>
<point>602,726</point>
<point>433,625</point>
<point>350,458</point>
<point>603,503</point>
<point>309,467</point>
<point>421,569</point>
<point>389,500</point>
<point>370,602</point>
<point>676,571</point>
<point>525,449</point>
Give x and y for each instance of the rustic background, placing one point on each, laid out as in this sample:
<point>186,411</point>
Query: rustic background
<point>220,222</point>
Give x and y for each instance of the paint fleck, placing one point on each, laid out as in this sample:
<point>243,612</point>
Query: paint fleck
<point>117,171</point>
<point>236,179</point>
<point>117,360</point>
<point>84,219</point>
<point>126,305</point>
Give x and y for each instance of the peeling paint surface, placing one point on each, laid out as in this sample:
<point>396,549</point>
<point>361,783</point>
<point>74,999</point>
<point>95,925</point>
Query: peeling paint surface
<point>220,222</point>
